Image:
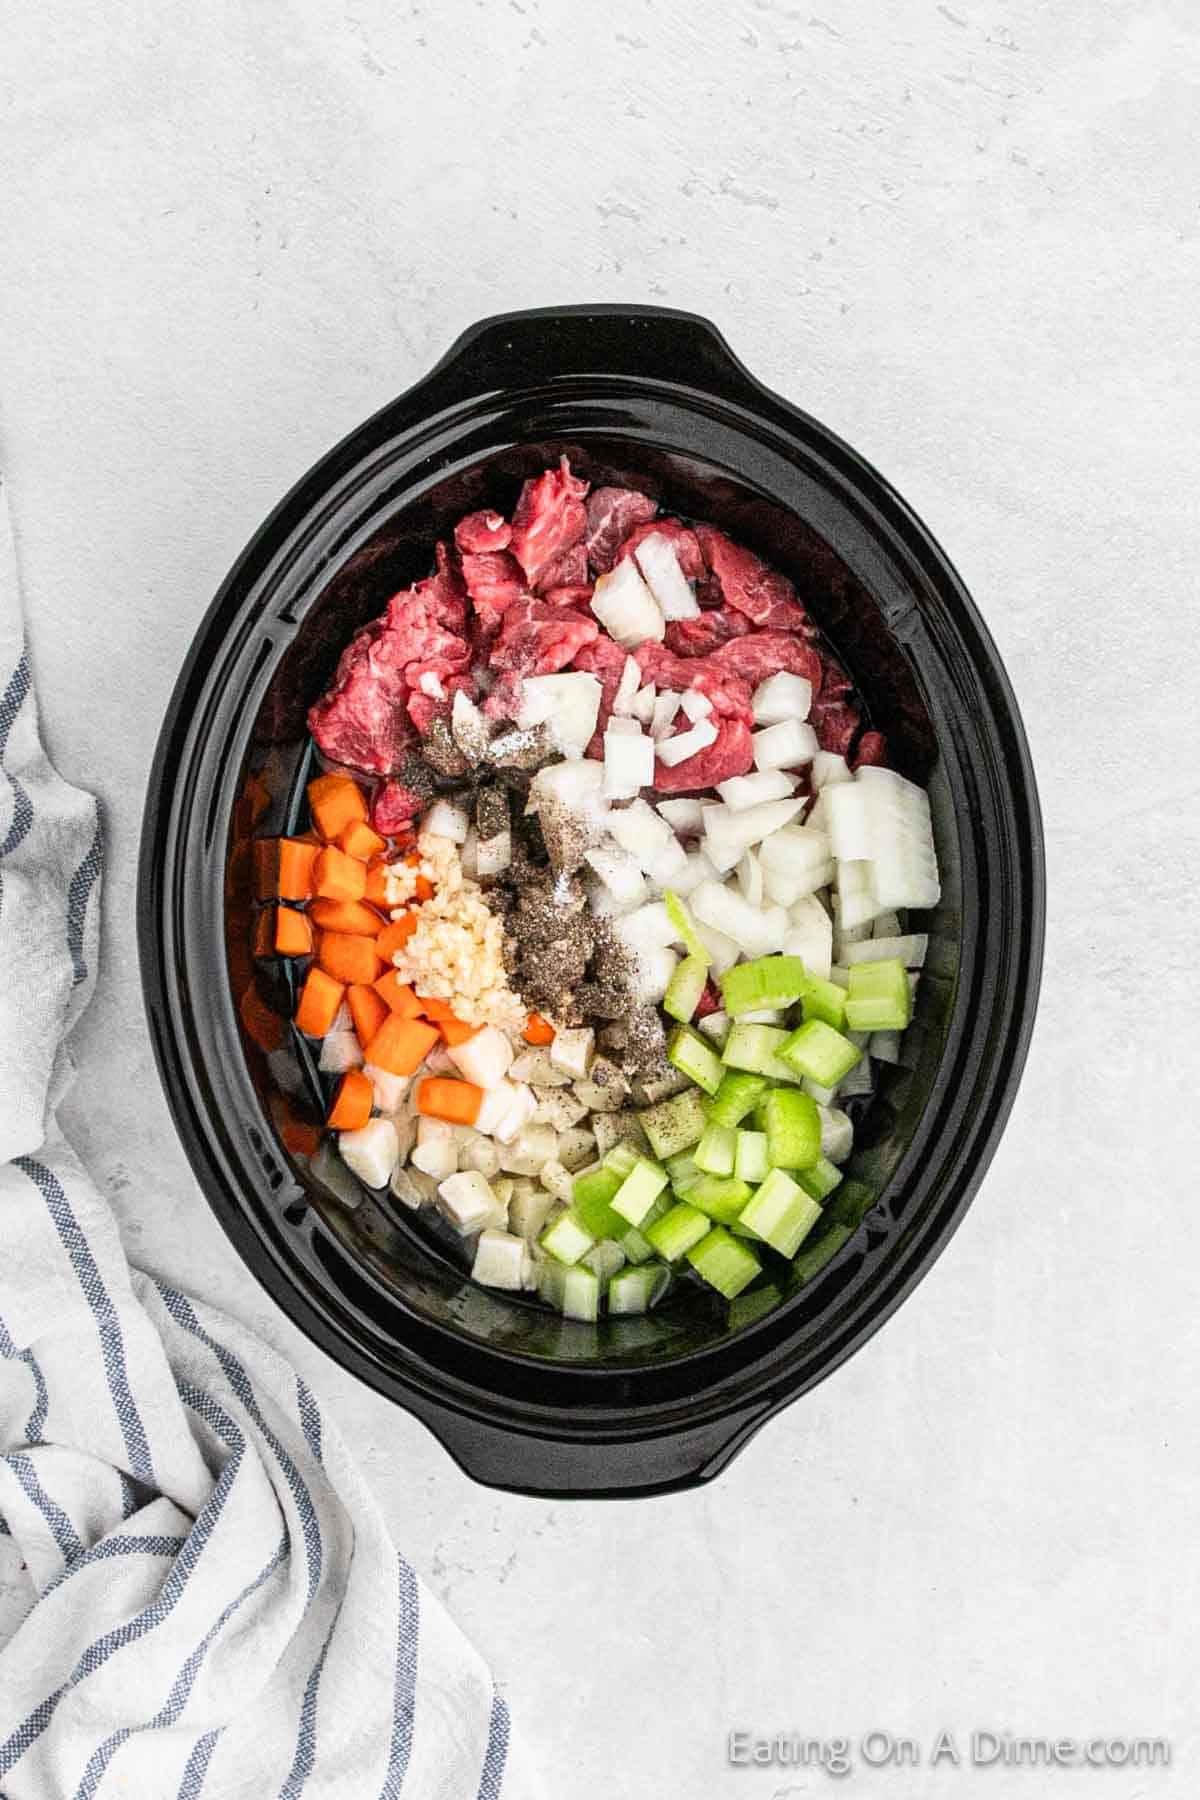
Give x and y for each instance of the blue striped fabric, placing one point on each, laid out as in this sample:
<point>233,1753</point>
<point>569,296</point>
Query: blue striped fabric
<point>215,1607</point>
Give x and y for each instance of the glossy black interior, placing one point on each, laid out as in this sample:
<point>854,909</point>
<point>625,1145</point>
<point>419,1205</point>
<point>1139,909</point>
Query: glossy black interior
<point>519,1396</point>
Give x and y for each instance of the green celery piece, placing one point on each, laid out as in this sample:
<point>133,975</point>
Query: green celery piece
<point>695,1057</point>
<point>747,1309</point>
<point>879,997</point>
<point>680,1166</point>
<point>621,1158</point>
<point>636,1249</point>
<point>675,1124</point>
<point>821,1053</point>
<point>551,1282</point>
<point>639,1190</point>
<point>768,981</point>
<point>821,1179</point>
<point>782,1213</point>
<point>793,1128</point>
<point>814,1256</point>
<point>722,1197</point>
<point>604,1258</point>
<point>754,1047</point>
<point>750,1162</point>
<point>684,989</point>
<point>681,918</point>
<point>738,1094</point>
<point>673,1235</point>
<point>634,1290</point>
<point>823,1000</point>
<point>591,1200</point>
<point>581,1294</point>
<point>714,1153</point>
<point>567,1238</point>
<point>724,1263</point>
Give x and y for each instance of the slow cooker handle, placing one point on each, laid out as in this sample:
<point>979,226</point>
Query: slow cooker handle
<point>504,1458</point>
<point>548,344</point>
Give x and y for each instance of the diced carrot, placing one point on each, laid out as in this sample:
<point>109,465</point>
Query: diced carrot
<point>398,998</point>
<point>264,931</point>
<point>300,1137</point>
<point>336,801</point>
<point>353,1101</point>
<point>368,1010</point>
<point>538,1030</point>
<point>320,998</point>
<point>401,1045</point>
<point>422,889</point>
<point>376,891</point>
<point>263,1025</point>
<point>348,958</point>
<point>294,880</point>
<point>456,1101</point>
<point>359,840</point>
<point>346,915</point>
<point>395,934</point>
<point>337,876</point>
<point>435,1009</point>
<point>293,933</point>
<point>454,1031</point>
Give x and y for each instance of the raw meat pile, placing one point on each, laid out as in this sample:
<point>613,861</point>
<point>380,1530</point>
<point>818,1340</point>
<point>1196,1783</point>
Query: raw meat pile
<point>514,599</point>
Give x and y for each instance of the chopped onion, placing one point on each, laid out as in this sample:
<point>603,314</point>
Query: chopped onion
<point>782,696</point>
<point>784,746</point>
<point>567,704</point>
<point>696,869</point>
<point>828,768</point>
<point>723,951</point>
<point>683,816</point>
<point>628,763</point>
<point>493,855</point>
<point>371,1152</point>
<point>750,879</point>
<point>619,873</point>
<point>810,936</point>
<point>741,791</point>
<point>728,833</point>
<point>696,705</point>
<point>663,717</point>
<point>639,830</point>
<point>446,819</point>
<point>908,950</point>
<point>904,868</point>
<point>642,704</point>
<point>659,564</point>
<point>484,1058</point>
<point>627,687</point>
<point>857,905</point>
<point>626,608</point>
<point>757,931</point>
<point>676,750</point>
<point>499,1260</point>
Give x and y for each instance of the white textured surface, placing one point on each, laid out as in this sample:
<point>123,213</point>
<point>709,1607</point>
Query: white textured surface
<point>965,236</point>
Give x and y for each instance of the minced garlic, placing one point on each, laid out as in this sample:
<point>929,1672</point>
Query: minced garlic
<point>456,953</point>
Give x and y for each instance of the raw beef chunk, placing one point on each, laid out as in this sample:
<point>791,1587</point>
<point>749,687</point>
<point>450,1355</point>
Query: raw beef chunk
<point>612,512</point>
<point>549,518</point>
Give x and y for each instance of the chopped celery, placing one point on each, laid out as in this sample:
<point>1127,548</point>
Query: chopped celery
<point>755,1047</point>
<point>738,1094</point>
<point>685,926</point>
<point>820,1053</point>
<point>551,1282</point>
<point>581,1294</point>
<point>878,997</point>
<point>635,1290</point>
<point>749,1307</point>
<point>695,1057</point>
<point>782,1213</point>
<point>567,1238</point>
<point>714,1152</point>
<point>685,988</point>
<point>769,981</point>
<point>604,1258</point>
<point>639,1190</point>
<point>591,1202</point>
<point>675,1124</point>
<point>680,1166</point>
<point>720,1196</point>
<point>823,1000</point>
<point>675,1233</point>
<point>636,1249</point>
<point>793,1128</point>
<point>621,1158</point>
<point>821,1179</point>
<point>724,1263</point>
<point>750,1161</point>
<point>813,1258</point>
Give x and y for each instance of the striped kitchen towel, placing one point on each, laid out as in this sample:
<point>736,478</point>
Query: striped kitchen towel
<point>198,1597</point>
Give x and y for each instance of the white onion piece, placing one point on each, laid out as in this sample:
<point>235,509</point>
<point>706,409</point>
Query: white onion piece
<point>447,819</point>
<point>663,717</point>
<point>567,704</point>
<point>372,1152</point>
<point>683,816</point>
<point>847,806</point>
<point>499,1260</point>
<point>757,932</point>
<point>484,1058</point>
<point>784,746</point>
<point>750,879</point>
<point>723,951</point>
<point>660,566</point>
<point>904,861</point>
<point>686,744</point>
<point>642,704</point>
<point>627,687</point>
<point>619,873</point>
<point>810,936</point>
<point>741,791</point>
<point>626,608</point>
<point>696,869</point>
<point>623,726</point>
<point>837,1134</point>
<point>639,830</point>
<point>828,769</point>
<point>857,905</point>
<point>728,833</point>
<point>696,705</point>
<point>493,855</point>
<point>909,950</point>
<point>628,764</point>
<point>782,696</point>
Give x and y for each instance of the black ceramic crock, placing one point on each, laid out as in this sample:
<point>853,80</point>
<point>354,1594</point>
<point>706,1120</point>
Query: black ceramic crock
<point>520,1399</point>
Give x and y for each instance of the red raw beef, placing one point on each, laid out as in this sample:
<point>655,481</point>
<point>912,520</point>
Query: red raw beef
<point>568,570</point>
<point>697,637</point>
<point>709,1001</point>
<point>579,594</point>
<point>612,512</point>
<point>729,694</point>
<point>481,531</point>
<point>832,717</point>
<point>872,748</point>
<point>606,660</point>
<point>549,517</point>
<point>732,754</point>
<point>494,580</point>
<point>763,594</point>
<point>763,653</point>
<point>394,808</point>
<point>680,536</point>
<point>535,639</point>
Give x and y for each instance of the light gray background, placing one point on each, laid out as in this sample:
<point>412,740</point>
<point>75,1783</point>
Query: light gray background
<point>965,236</point>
